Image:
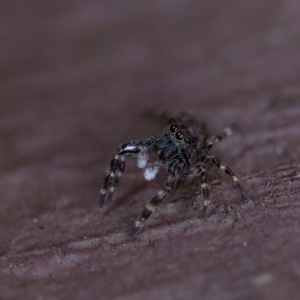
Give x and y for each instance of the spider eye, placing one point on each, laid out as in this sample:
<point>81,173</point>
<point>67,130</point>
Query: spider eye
<point>172,121</point>
<point>179,136</point>
<point>188,140</point>
<point>173,128</point>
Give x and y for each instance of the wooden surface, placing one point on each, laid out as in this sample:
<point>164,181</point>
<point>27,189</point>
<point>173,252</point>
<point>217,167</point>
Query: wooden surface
<point>78,78</point>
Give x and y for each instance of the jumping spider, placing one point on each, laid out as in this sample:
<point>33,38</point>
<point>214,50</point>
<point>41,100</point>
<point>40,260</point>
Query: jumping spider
<point>183,150</point>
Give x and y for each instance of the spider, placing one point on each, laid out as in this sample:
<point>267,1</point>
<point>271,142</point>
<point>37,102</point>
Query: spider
<point>183,150</point>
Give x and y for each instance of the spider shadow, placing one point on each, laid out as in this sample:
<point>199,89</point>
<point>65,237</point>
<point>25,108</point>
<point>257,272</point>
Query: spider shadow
<point>119,201</point>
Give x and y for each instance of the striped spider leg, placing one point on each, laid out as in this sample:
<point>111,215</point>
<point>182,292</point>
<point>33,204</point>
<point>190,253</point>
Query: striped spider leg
<point>200,169</point>
<point>150,207</point>
<point>117,167</point>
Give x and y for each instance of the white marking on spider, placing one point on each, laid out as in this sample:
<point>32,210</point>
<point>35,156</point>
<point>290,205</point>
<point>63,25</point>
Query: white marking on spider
<point>150,207</point>
<point>150,172</point>
<point>235,179</point>
<point>142,159</point>
<point>139,223</point>
<point>161,194</point>
<point>206,202</point>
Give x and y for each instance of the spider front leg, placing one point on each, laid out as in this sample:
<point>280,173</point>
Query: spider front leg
<point>155,201</point>
<point>117,167</point>
<point>112,177</point>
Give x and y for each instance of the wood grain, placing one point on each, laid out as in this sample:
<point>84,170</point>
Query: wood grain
<point>79,78</point>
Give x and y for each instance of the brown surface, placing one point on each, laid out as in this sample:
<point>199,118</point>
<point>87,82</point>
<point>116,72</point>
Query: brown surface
<point>78,79</point>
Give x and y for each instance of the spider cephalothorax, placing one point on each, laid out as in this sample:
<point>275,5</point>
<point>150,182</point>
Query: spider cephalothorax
<point>183,150</point>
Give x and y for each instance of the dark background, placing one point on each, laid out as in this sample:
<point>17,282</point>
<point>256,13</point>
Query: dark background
<point>78,78</point>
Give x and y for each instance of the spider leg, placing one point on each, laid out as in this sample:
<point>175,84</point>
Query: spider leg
<point>155,201</point>
<point>112,177</point>
<point>117,167</point>
<point>201,172</point>
<point>217,138</point>
<point>131,148</point>
<point>225,169</point>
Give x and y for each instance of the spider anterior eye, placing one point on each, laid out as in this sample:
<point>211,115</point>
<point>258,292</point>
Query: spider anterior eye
<point>173,128</point>
<point>179,136</point>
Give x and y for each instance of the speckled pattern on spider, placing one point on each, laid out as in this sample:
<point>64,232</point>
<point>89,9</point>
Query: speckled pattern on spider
<point>183,150</point>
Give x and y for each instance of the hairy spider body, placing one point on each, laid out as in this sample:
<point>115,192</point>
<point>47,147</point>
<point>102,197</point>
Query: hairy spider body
<point>183,150</point>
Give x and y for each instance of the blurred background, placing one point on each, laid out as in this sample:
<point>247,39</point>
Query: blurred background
<point>78,78</point>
